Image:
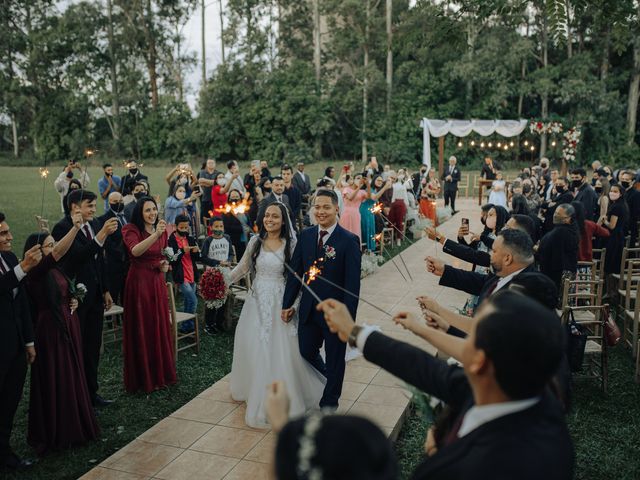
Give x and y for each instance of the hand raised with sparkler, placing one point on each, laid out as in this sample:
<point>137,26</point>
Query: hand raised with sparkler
<point>409,321</point>
<point>161,228</point>
<point>76,219</point>
<point>338,318</point>
<point>435,266</point>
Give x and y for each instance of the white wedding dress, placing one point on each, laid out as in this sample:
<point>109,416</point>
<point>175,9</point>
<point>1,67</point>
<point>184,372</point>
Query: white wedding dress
<point>265,348</point>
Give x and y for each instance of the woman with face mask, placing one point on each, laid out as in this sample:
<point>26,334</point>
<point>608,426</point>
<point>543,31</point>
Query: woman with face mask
<point>616,222</point>
<point>219,193</point>
<point>178,204</point>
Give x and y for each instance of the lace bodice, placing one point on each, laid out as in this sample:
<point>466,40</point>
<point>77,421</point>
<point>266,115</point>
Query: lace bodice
<point>267,287</point>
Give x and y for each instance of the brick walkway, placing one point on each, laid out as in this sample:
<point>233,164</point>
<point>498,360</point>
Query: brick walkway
<point>207,438</point>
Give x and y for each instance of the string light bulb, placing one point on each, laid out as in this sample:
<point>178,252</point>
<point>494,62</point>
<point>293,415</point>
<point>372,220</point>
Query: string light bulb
<point>489,144</point>
<point>506,147</point>
<point>553,143</point>
<point>482,145</point>
<point>526,143</point>
<point>511,144</point>
<point>473,143</point>
<point>499,144</point>
<point>532,148</point>
<point>459,144</point>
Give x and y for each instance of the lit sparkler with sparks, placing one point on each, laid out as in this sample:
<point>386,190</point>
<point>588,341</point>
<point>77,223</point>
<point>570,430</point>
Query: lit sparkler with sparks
<point>237,208</point>
<point>377,208</point>
<point>44,172</point>
<point>312,273</point>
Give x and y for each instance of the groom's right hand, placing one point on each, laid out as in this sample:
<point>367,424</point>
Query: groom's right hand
<point>286,314</point>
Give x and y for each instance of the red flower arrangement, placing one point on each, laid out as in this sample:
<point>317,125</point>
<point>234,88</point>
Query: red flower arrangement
<point>212,288</point>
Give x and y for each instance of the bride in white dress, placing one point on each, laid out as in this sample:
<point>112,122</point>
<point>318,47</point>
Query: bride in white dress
<point>265,348</point>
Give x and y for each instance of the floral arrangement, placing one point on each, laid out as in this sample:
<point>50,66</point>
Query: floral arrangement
<point>213,288</point>
<point>77,291</point>
<point>542,128</point>
<point>571,138</point>
<point>170,254</point>
<point>329,252</point>
<point>370,264</point>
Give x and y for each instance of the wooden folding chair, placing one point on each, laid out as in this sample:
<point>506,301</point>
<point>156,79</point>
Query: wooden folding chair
<point>113,324</point>
<point>631,314</point>
<point>599,255</point>
<point>596,354</point>
<point>176,319</point>
<point>581,293</point>
<point>626,254</point>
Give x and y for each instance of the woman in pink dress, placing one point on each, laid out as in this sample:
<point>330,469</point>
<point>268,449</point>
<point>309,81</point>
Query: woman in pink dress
<point>353,196</point>
<point>149,362</point>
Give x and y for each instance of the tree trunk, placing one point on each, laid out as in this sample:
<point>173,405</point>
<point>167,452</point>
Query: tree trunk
<point>389,9</point>
<point>221,29</point>
<point>115,95</point>
<point>634,91</point>
<point>14,132</point>
<point>317,59</point>
<point>569,37</point>
<point>152,56</point>
<point>365,83</point>
<point>604,64</point>
<point>471,42</point>
<point>204,43</point>
<point>544,109</point>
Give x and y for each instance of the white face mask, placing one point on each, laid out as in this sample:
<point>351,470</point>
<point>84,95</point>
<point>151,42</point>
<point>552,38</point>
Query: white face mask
<point>614,196</point>
<point>221,182</point>
<point>180,195</point>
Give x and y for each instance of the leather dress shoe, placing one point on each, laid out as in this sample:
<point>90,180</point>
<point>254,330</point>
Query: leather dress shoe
<point>14,462</point>
<point>98,401</point>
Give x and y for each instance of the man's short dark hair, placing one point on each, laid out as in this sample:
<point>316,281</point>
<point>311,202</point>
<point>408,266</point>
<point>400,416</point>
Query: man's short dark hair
<point>526,224</point>
<point>519,243</point>
<point>328,193</point>
<point>106,165</point>
<point>76,197</point>
<point>230,164</point>
<point>182,218</point>
<point>285,167</point>
<point>564,179</point>
<point>579,171</point>
<point>537,286</point>
<point>2,217</point>
<point>141,184</point>
<point>277,177</point>
<point>524,341</point>
<point>217,219</point>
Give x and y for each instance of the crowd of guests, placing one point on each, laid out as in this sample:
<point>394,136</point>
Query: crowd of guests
<point>540,221</point>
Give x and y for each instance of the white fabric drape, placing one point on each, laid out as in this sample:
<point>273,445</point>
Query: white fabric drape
<point>462,128</point>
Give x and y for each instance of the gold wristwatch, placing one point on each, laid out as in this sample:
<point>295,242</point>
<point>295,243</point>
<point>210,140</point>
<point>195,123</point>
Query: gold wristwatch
<point>354,335</point>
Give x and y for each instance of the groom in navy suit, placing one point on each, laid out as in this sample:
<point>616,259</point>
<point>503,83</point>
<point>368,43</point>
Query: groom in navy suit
<point>337,252</point>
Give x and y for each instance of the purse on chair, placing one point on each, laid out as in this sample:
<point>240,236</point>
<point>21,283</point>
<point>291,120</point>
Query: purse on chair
<point>576,343</point>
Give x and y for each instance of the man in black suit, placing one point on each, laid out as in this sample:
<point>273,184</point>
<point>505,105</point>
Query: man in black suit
<point>85,262</point>
<point>451,177</point>
<point>585,194</point>
<point>301,180</point>
<point>16,338</point>
<point>277,195</point>
<point>632,197</point>
<point>488,171</point>
<point>506,424</point>
<point>563,195</point>
<point>134,176</point>
<point>115,253</point>
<point>511,255</point>
<point>417,179</point>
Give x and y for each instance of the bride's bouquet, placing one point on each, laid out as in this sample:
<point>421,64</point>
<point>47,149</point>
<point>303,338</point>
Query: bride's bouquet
<point>213,288</point>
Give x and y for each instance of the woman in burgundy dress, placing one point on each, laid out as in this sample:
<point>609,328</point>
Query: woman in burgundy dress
<point>149,362</point>
<point>60,410</point>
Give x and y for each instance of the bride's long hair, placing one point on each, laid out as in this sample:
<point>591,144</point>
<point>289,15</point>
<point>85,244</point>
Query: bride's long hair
<point>285,234</point>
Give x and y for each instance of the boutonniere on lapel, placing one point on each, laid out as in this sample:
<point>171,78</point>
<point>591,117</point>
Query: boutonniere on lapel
<point>329,252</point>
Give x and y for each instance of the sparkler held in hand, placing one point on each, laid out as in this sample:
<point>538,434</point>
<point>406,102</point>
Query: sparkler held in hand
<point>377,210</point>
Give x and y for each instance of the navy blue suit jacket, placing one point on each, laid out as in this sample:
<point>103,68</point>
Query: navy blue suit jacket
<point>343,270</point>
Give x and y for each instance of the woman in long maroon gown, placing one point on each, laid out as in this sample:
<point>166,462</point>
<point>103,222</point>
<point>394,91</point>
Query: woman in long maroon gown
<point>60,410</point>
<point>149,362</point>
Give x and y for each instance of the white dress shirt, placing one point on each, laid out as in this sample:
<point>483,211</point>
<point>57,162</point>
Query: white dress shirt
<point>504,280</point>
<point>479,415</point>
<point>329,232</point>
<point>400,193</point>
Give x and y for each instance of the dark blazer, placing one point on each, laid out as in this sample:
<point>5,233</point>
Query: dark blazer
<point>565,197</point>
<point>474,283</point>
<point>531,444</point>
<point>115,253</point>
<point>467,253</point>
<point>85,259</point>
<point>455,178</point>
<point>15,315</point>
<point>487,173</point>
<point>177,271</point>
<point>128,182</point>
<point>343,270</point>
<point>268,200</point>
<point>304,186</point>
<point>295,200</point>
<point>558,252</point>
<point>589,199</point>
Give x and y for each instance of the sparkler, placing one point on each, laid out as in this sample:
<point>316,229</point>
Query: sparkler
<point>379,238</point>
<point>237,208</point>
<point>377,210</point>
<point>44,173</point>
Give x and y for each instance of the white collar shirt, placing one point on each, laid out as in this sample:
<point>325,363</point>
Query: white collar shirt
<point>504,280</point>
<point>479,415</point>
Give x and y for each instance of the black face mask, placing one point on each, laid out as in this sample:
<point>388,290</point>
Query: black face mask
<point>266,190</point>
<point>69,174</point>
<point>598,189</point>
<point>624,185</point>
<point>181,233</point>
<point>133,171</point>
<point>234,200</point>
<point>560,189</point>
<point>526,189</point>
<point>117,207</point>
<point>139,195</point>
<point>576,183</point>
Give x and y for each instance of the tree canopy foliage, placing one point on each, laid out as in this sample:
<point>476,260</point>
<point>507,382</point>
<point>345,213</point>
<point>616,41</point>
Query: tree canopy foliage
<point>313,78</point>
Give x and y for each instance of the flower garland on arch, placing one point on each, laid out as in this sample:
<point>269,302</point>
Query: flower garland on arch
<point>542,128</point>
<point>570,139</point>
